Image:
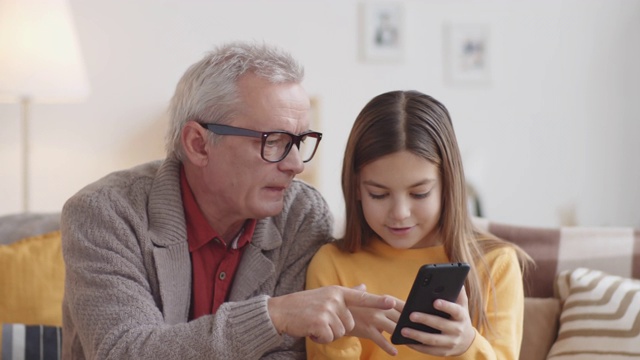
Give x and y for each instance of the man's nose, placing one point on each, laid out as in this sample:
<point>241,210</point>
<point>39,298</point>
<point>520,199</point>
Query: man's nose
<point>293,160</point>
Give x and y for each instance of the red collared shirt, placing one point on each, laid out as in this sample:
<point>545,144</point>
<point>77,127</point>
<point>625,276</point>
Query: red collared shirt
<point>213,262</point>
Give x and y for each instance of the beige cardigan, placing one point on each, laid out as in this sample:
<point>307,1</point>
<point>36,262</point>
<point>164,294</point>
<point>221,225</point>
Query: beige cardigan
<point>128,273</point>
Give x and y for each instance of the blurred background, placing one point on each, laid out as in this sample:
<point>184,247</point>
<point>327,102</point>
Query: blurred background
<point>544,95</point>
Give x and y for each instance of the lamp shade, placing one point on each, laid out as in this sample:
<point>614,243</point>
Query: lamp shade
<point>40,58</point>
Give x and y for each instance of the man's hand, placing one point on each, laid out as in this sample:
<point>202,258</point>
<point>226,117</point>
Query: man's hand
<point>323,314</point>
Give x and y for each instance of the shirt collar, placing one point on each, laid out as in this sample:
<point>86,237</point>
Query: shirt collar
<point>246,234</point>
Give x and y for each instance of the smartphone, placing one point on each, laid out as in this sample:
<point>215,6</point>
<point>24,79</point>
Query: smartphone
<point>434,281</point>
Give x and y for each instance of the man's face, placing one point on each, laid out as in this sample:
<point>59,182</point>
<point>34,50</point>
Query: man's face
<point>238,181</point>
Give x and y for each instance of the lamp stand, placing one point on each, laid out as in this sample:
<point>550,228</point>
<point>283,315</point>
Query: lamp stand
<point>24,122</point>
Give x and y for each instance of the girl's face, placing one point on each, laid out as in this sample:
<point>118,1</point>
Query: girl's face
<point>401,200</point>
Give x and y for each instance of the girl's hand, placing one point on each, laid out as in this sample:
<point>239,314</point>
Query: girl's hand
<point>370,323</point>
<point>457,332</point>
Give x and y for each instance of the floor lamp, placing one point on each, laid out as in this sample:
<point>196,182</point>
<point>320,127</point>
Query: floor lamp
<point>40,61</point>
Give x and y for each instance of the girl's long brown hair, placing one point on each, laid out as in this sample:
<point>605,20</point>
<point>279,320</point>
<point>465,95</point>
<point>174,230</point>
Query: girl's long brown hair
<point>415,122</point>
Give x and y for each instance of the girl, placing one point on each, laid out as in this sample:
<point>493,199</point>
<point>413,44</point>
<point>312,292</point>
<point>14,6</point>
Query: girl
<point>406,206</point>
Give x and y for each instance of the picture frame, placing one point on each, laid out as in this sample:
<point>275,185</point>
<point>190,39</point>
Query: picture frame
<point>467,54</point>
<point>381,31</point>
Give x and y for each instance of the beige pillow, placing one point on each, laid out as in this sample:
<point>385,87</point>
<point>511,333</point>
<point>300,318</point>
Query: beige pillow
<point>540,327</point>
<point>600,316</point>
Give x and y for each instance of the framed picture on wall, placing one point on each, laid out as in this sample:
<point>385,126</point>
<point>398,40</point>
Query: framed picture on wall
<point>381,31</point>
<point>467,53</point>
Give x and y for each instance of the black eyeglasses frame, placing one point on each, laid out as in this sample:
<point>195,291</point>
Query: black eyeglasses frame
<point>220,129</point>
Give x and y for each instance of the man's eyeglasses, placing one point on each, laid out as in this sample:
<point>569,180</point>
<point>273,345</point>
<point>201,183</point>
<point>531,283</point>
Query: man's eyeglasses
<point>275,144</point>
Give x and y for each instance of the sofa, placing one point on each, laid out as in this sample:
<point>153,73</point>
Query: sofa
<point>582,297</point>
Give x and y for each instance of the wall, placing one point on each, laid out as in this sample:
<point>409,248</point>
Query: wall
<point>555,130</point>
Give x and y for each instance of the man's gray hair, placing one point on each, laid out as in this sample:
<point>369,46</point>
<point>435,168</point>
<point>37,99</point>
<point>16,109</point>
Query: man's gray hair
<point>208,89</point>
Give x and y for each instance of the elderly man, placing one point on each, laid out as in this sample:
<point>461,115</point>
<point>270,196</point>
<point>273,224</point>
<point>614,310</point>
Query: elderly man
<point>203,255</point>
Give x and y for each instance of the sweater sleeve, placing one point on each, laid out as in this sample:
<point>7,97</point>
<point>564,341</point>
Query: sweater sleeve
<point>505,311</point>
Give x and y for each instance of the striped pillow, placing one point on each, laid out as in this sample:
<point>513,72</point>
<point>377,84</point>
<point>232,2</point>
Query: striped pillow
<point>600,316</point>
<point>19,341</point>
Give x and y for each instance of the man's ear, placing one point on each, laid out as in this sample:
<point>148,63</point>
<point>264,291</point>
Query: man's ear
<point>194,143</point>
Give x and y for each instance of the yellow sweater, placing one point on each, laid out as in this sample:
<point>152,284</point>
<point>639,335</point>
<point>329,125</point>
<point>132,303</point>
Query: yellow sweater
<point>385,270</point>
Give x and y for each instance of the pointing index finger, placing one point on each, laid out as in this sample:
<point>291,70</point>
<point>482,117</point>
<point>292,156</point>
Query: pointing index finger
<point>354,297</point>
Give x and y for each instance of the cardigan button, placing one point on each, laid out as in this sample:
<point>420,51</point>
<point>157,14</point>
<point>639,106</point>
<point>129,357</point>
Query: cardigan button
<point>222,275</point>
